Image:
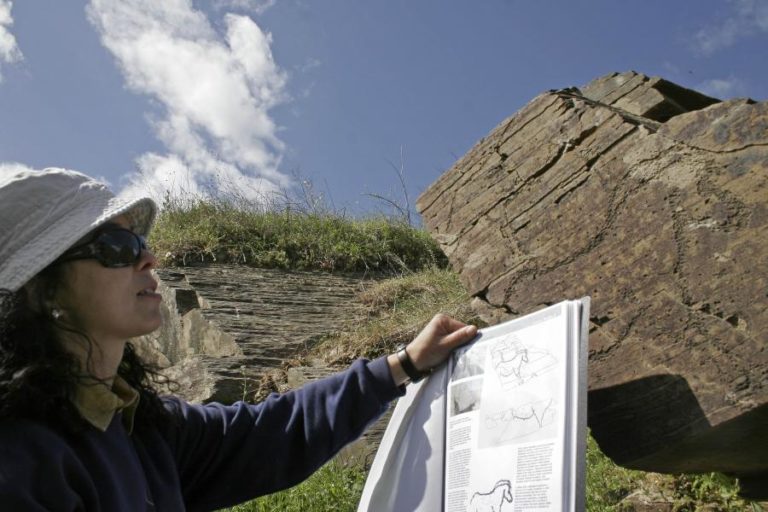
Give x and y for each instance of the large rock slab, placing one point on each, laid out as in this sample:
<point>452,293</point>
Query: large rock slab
<point>225,327</point>
<point>653,200</point>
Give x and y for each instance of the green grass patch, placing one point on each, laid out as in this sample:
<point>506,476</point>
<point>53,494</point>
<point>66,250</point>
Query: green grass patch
<point>220,231</point>
<point>713,490</point>
<point>607,483</point>
<point>334,487</point>
<point>337,487</point>
<point>611,488</point>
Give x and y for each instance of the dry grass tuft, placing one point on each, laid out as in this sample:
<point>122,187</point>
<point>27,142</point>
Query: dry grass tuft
<point>393,311</point>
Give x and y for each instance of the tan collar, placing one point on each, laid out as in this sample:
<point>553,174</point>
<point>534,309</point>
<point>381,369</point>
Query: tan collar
<point>98,404</point>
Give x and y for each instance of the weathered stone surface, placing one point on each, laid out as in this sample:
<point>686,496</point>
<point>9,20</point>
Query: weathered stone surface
<point>648,97</point>
<point>661,216</point>
<point>225,326</point>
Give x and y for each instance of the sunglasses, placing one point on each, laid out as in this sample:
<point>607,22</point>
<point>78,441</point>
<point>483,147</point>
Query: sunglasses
<point>112,247</point>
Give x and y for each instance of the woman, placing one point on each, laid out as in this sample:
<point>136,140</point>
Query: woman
<point>81,426</point>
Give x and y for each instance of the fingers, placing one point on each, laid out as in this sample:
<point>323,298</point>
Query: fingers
<point>447,324</point>
<point>452,331</point>
<point>435,343</point>
<point>460,336</point>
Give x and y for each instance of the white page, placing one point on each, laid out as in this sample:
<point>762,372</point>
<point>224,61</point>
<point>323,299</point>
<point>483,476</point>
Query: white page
<point>407,472</point>
<point>506,417</point>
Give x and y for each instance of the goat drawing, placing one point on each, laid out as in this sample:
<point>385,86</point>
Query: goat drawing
<point>492,501</point>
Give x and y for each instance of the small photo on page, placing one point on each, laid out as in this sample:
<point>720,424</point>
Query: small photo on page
<point>470,363</point>
<point>465,396</point>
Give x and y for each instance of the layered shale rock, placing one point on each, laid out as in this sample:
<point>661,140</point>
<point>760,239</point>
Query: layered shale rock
<point>225,327</point>
<point>653,200</point>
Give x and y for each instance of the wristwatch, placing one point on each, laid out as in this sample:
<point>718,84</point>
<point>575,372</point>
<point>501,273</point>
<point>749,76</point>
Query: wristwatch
<point>408,367</point>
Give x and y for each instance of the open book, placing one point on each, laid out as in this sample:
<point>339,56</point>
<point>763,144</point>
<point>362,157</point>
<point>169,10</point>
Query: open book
<point>501,427</point>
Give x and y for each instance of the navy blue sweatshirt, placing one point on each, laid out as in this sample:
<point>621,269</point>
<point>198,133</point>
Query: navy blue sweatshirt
<point>214,456</point>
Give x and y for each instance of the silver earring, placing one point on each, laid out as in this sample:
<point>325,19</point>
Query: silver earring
<point>56,313</point>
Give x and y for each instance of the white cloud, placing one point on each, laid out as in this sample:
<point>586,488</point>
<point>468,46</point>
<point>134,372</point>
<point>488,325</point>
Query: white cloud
<point>255,6</point>
<point>161,176</point>
<point>722,87</point>
<point>9,50</point>
<point>215,89</point>
<point>11,168</point>
<point>749,17</point>
<point>309,65</point>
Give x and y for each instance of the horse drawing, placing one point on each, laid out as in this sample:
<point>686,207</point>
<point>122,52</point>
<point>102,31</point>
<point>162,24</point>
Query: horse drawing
<point>492,501</point>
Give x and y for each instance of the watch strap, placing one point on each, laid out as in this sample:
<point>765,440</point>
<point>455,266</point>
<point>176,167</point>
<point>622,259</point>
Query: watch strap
<point>408,367</point>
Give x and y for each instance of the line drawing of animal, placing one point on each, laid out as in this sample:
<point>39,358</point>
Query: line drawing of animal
<point>516,364</point>
<point>492,501</point>
<point>513,365</point>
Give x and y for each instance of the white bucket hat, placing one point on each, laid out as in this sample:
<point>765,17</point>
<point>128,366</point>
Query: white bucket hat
<point>43,213</point>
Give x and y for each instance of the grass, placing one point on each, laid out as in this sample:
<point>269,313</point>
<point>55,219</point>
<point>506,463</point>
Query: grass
<point>222,231</point>
<point>607,483</point>
<point>337,487</point>
<point>610,488</point>
<point>334,487</point>
<point>393,311</point>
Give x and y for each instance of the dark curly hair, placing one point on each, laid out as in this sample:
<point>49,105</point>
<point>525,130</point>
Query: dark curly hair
<point>39,377</point>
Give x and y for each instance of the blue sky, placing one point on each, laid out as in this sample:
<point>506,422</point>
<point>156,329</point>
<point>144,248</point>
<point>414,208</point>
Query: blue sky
<point>262,96</point>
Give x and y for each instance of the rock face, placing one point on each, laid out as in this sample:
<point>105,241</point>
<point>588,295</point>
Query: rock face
<point>224,327</point>
<point>653,200</point>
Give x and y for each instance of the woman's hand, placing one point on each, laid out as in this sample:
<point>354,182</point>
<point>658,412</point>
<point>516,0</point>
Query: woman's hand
<point>433,345</point>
